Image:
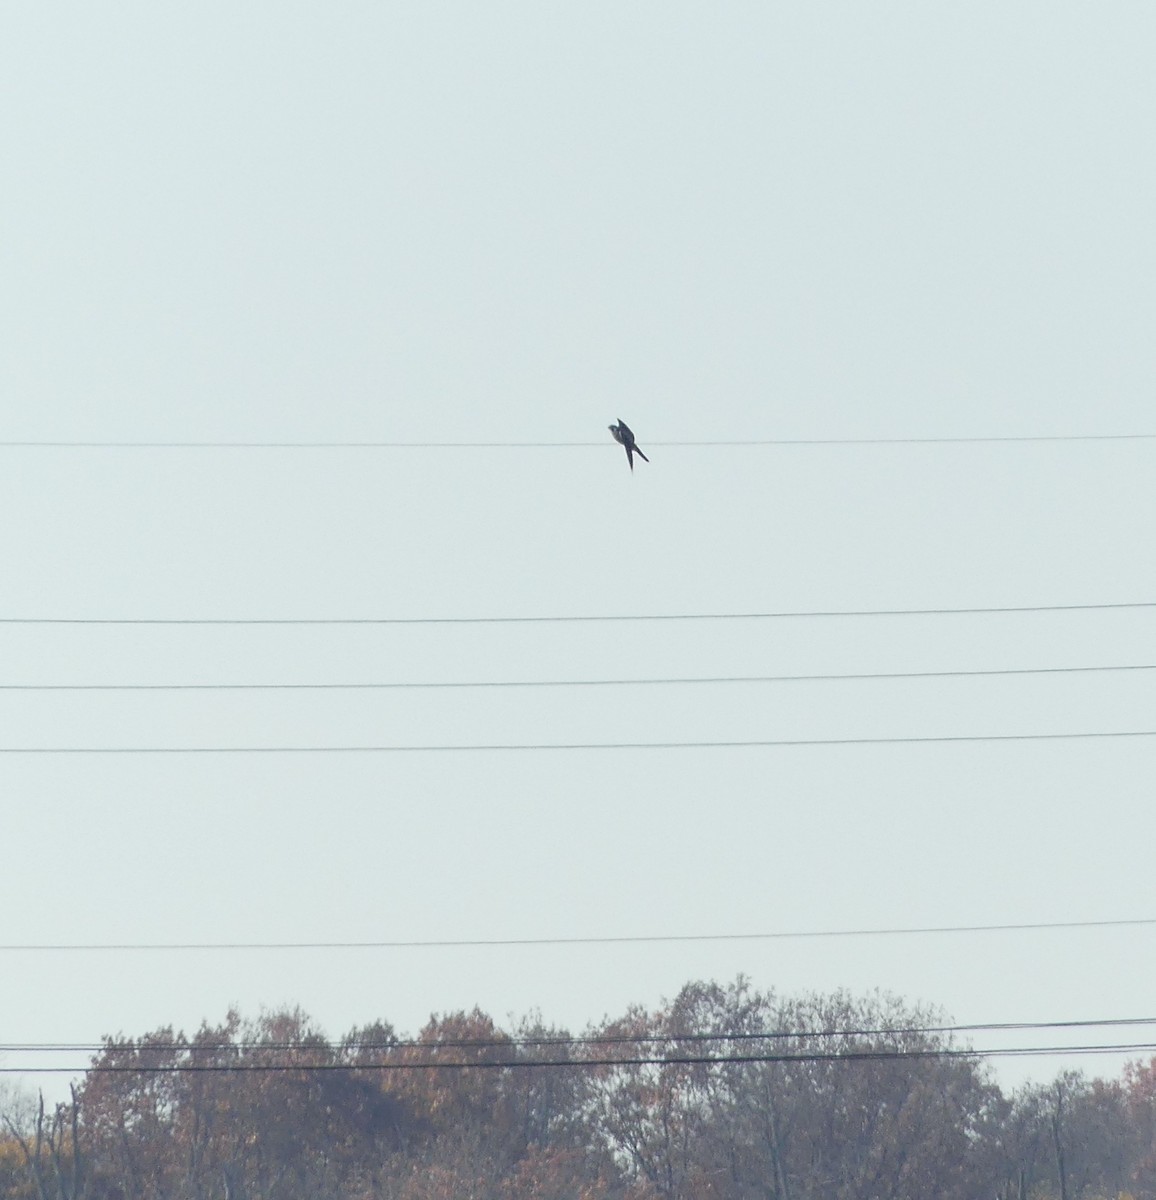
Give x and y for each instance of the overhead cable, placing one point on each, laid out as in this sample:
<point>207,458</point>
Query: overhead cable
<point>609,1061</point>
<point>564,747</point>
<point>586,618</point>
<point>378,685</point>
<point>532,942</point>
<point>595,618</point>
<point>199,1045</point>
<point>304,444</point>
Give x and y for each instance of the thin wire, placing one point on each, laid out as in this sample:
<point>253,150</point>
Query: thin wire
<point>669,1060</point>
<point>600,444</point>
<point>619,940</point>
<point>511,1043</point>
<point>915,441</point>
<point>557,747</point>
<point>563,683</point>
<point>588,618</point>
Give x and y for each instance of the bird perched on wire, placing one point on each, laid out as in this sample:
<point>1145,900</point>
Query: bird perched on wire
<point>624,437</point>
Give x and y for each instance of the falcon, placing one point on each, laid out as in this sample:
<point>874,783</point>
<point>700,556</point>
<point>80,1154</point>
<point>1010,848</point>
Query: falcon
<point>624,437</point>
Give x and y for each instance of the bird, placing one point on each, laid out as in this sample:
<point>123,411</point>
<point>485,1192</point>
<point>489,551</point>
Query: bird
<point>623,436</point>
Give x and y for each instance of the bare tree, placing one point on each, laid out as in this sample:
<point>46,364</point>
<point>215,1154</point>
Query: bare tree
<point>51,1150</point>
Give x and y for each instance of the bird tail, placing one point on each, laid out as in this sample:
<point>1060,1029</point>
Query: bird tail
<point>641,455</point>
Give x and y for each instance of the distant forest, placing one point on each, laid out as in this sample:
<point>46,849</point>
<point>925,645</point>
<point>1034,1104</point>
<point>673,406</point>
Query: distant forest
<point>725,1093</point>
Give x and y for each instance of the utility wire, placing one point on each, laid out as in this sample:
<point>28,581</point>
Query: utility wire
<point>559,747</point>
<point>620,940</point>
<point>580,618</point>
<point>600,444</point>
<point>784,614</point>
<point>657,1060</point>
<point>565,683</point>
<point>511,1043</point>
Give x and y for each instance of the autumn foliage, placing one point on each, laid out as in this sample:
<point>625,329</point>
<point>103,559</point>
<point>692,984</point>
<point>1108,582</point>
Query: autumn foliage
<point>835,1097</point>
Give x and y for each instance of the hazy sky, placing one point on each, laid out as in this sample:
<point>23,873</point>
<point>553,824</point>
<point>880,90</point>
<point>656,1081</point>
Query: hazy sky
<point>517,223</point>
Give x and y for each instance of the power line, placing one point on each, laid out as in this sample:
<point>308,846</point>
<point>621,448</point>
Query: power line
<point>69,444</point>
<point>567,683</point>
<point>555,619</point>
<point>560,747</point>
<point>665,1060</point>
<point>619,940</point>
<point>199,1046</point>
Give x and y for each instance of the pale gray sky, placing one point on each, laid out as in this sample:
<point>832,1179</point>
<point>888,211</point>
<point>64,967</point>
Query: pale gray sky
<point>519,222</point>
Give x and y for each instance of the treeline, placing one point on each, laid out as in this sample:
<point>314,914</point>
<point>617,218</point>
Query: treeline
<point>723,1094</point>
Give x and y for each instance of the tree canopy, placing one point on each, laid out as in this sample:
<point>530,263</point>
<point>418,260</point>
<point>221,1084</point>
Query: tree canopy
<point>724,1093</point>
